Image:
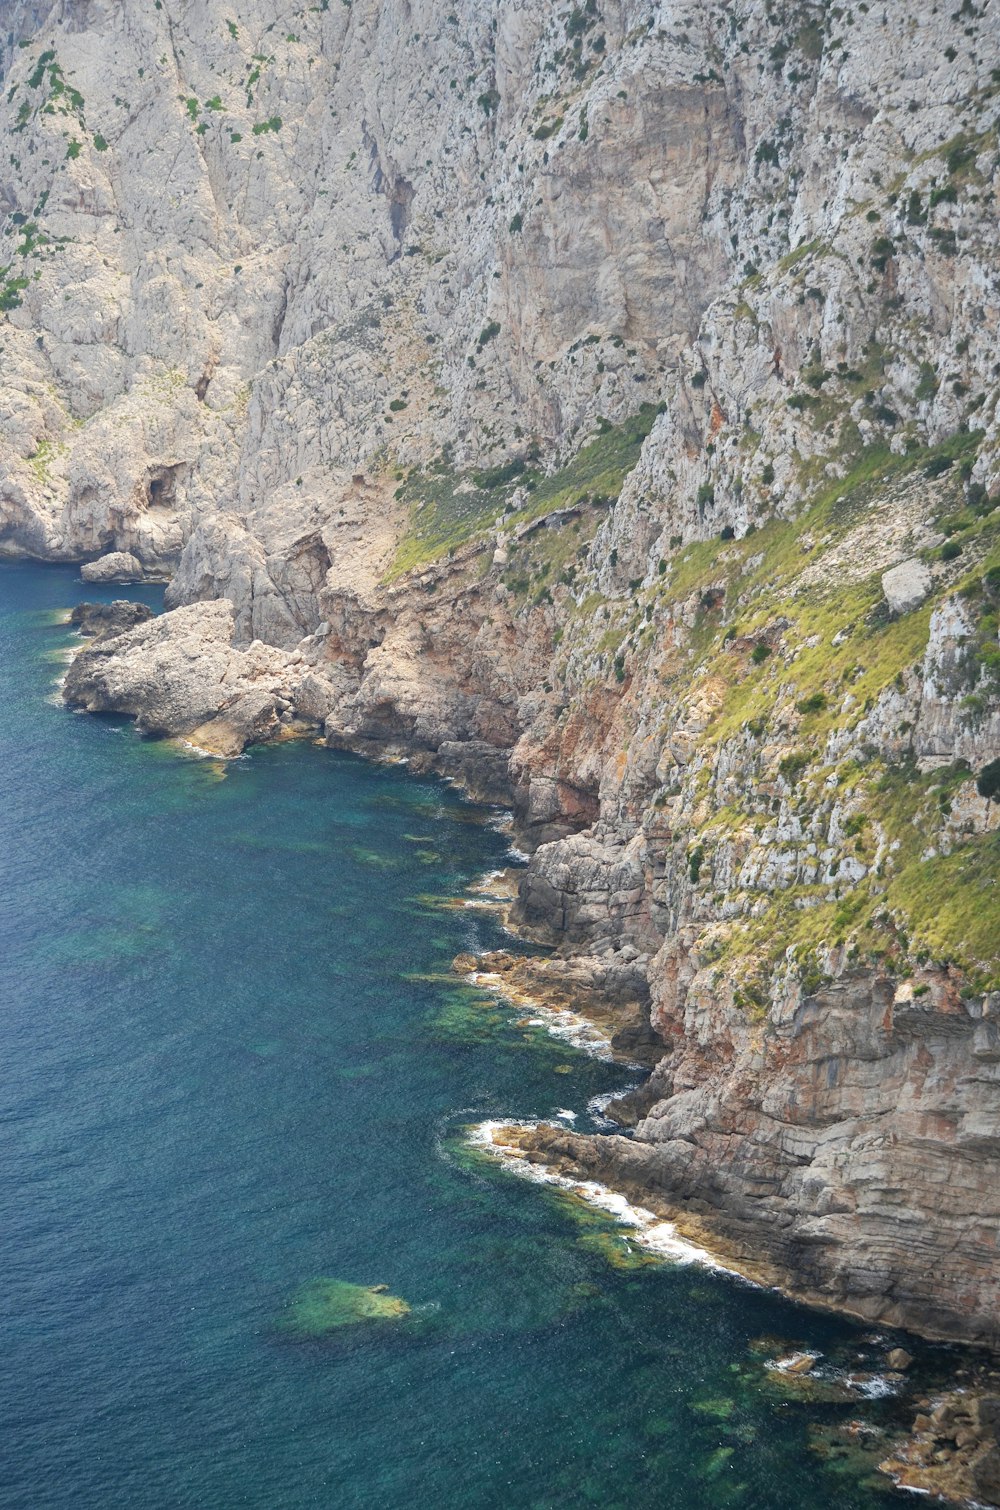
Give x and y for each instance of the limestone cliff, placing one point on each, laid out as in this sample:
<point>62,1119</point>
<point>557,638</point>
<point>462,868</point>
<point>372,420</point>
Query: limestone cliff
<point>597,403</point>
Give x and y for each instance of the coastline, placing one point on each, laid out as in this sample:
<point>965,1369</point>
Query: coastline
<point>665,1232</point>
<point>598,998</point>
<point>612,991</point>
<point>651,1231</point>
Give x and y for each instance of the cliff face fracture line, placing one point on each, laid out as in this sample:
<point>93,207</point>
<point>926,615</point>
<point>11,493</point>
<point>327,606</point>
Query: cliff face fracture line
<point>597,403</point>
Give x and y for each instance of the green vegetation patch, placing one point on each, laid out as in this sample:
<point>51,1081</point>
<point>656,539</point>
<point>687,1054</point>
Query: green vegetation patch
<point>952,906</point>
<point>835,638</point>
<point>11,290</point>
<point>446,510</point>
<point>599,468</point>
<point>449,508</point>
<point>943,909</point>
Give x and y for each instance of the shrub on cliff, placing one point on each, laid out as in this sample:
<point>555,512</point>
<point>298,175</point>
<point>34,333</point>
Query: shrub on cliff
<point>988,781</point>
<point>792,766</point>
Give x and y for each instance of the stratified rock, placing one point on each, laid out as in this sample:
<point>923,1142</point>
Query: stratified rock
<point>906,585</point>
<point>97,619</point>
<point>118,566</point>
<point>181,673</point>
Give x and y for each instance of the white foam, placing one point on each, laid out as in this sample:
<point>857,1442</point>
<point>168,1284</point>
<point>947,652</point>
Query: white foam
<point>559,1023</point>
<point>647,1229</point>
<point>566,1115</point>
<point>875,1388</point>
<point>187,747</point>
<point>598,1105</point>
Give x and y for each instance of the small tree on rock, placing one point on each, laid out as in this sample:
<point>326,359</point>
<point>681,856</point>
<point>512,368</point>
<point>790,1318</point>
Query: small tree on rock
<point>988,781</point>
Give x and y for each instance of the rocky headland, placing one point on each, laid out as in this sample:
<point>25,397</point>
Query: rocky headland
<point>597,404</point>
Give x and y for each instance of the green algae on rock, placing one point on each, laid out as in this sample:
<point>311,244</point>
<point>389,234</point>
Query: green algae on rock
<point>325,1305</point>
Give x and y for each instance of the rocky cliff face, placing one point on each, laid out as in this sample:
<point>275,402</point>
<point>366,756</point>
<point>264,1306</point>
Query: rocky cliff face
<point>597,403</point>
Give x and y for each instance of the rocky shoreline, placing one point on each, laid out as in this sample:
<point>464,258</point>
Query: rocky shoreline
<point>844,1132</point>
<point>952,1451</point>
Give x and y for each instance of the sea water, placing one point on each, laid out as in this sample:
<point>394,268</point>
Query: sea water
<point>233,1062</point>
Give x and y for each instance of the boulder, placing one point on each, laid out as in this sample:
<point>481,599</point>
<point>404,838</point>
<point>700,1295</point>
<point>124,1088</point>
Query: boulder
<point>249,719</point>
<point>906,585</point>
<point>988,1415</point>
<point>117,566</point>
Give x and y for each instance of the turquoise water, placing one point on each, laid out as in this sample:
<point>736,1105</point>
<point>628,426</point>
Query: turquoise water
<point>221,1080</point>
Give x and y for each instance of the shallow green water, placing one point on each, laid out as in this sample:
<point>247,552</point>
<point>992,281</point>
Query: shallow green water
<point>228,1071</point>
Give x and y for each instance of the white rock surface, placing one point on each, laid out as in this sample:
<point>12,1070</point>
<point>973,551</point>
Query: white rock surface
<point>116,566</point>
<point>180,674</point>
<point>906,585</point>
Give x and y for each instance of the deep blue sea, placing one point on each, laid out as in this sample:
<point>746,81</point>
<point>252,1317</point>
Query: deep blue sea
<point>232,1062</point>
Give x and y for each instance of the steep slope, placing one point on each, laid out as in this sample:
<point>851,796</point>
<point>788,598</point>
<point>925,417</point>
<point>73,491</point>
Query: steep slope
<point>598,404</point>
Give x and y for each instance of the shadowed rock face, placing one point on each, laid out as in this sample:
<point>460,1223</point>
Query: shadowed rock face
<point>368,382</point>
<point>97,619</point>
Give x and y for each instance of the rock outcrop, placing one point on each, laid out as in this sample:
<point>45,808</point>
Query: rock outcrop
<point>95,620</point>
<point>819,1144</point>
<point>180,675</point>
<point>906,585</point>
<point>598,404</point>
<point>953,1451</point>
<point>116,566</point>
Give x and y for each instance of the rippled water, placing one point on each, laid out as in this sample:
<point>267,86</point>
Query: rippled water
<point>233,1062</point>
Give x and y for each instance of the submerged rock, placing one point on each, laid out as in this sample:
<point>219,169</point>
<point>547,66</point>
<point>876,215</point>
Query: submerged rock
<point>606,998</point>
<point>325,1305</point>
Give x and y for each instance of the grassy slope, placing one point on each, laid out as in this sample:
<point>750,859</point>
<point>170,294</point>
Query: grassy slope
<point>945,908</point>
<point>448,508</point>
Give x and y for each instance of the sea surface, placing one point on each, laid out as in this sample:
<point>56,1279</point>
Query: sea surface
<point>233,1062</point>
